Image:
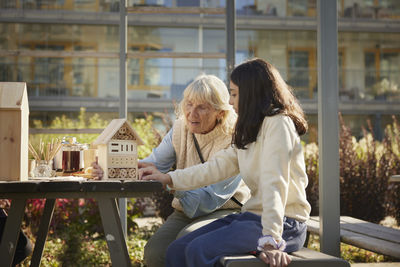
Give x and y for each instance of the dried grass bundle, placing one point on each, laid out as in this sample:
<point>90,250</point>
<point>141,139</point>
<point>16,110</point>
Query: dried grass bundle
<point>45,151</point>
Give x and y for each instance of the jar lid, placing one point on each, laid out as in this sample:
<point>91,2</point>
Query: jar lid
<point>70,143</point>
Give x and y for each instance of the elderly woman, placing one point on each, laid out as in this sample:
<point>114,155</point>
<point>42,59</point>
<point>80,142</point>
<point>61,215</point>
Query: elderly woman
<point>204,126</point>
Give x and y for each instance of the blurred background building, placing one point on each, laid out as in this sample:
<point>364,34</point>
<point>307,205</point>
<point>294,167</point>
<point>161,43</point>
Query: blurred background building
<point>67,52</point>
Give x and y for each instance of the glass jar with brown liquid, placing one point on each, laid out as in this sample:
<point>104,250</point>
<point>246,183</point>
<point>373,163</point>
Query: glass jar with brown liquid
<point>71,156</point>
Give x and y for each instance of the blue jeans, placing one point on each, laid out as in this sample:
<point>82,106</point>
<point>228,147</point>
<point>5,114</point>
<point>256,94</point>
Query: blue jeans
<point>233,234</point>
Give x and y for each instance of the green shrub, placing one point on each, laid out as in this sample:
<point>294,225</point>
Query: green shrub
<point>390,166</point>
<point>73,248</point>
<point>311,160</point>
<point>365,168</point>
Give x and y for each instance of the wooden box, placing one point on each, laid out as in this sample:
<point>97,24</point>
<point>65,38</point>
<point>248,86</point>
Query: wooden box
<point>14,127</point>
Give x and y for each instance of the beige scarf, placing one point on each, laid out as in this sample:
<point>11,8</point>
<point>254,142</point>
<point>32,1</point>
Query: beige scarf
<point>209,143</point>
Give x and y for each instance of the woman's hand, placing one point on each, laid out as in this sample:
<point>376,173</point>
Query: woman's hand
<point>274,257</point>
<point>97,171</point>
<point>151,173</point>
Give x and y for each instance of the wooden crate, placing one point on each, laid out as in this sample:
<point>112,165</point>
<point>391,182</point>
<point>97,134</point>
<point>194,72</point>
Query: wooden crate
<point>14,127</point>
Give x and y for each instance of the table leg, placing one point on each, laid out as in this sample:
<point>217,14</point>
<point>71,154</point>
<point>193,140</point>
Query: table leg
<point>113,232</point>
<point>42,233</point>
<point>11,231</point>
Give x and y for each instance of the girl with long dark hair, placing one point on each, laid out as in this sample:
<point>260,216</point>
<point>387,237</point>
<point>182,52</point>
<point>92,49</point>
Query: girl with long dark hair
<point>267,152</point>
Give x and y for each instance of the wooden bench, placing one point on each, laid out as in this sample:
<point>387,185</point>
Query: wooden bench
<point>366,235</point>
<point>303,258</point>
<point>394,179</point>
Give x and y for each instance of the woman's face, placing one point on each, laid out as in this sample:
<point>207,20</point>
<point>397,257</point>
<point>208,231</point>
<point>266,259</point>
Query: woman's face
<point>234,96</point>
<point>201,117</point>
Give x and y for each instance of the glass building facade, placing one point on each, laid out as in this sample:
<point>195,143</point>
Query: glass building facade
<point>67,52</point>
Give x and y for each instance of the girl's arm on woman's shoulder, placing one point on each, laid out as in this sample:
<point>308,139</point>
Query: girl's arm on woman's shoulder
<point>163,156</point>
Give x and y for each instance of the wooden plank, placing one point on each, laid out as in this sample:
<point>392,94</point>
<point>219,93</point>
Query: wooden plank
<point>113,232</point>
<point>142,186</point>
<point>60,186</point>
<point>150,54</point>
<point>83,54</point>
<point>60,54</point>
<point>313,225</point>
<point>370,243</point>
<point>394,179</point>
<point>306,253</point>
<point>18,187</point>
<point>14,131</point>
<point>370,229</point>
<point>362,234</point>
<point>359,226</point>
<point>11,95</point>
<point>10,145</point>
<point>102,186</point>
<point>78,189</point>
<point>42,232</point>
<point>64,131</point>
<point>11,231</point>
<point>303,258</point>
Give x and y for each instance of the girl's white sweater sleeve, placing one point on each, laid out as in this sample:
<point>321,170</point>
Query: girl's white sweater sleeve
<point>222,165</point>
<point>273,179</point>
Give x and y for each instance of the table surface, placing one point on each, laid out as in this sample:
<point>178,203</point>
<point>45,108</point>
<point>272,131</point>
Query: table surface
<point>104,191</point>
<point>78,188</point>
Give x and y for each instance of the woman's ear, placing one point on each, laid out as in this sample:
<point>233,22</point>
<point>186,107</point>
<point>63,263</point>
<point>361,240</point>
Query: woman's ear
<point>220,115</point>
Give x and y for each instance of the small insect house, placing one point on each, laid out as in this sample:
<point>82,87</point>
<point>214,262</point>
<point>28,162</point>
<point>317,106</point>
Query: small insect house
<point>117,150</point>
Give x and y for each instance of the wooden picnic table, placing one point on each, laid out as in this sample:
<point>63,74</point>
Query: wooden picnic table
<point>105,192</point>
<point>366,235</point>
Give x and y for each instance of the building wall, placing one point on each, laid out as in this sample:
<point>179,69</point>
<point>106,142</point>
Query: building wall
<point>283,32</point>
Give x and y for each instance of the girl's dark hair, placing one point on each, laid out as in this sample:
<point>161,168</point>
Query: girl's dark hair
<point>262,92</point>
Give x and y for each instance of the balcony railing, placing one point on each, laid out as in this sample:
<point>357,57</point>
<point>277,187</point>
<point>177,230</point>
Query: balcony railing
<point>289,8</point>
<point>168,80</point>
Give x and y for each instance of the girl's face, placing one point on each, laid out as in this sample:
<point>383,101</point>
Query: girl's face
<point>201,117</point>
<point>234,99</point>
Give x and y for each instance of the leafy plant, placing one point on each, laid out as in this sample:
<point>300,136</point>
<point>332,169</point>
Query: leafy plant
<point>311,160</point>
<point>365,168</point>
<point>72,247</point>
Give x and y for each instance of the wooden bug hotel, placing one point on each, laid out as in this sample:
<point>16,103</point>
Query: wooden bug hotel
<point>117,150</point>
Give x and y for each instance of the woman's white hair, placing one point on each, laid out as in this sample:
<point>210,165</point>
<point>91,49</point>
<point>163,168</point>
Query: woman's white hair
<point>210,89</point>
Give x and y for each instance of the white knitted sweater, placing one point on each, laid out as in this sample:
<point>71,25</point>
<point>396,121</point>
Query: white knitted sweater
<point>272,167</point>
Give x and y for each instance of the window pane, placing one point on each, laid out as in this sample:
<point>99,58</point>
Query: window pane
<point>299,72</point>
<point>370,70</point>
<point>303,8</point>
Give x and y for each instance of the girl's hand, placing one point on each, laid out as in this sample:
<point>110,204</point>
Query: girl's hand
<point>275,257</point>
<point>151,173</point>
<point>97,171</point>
